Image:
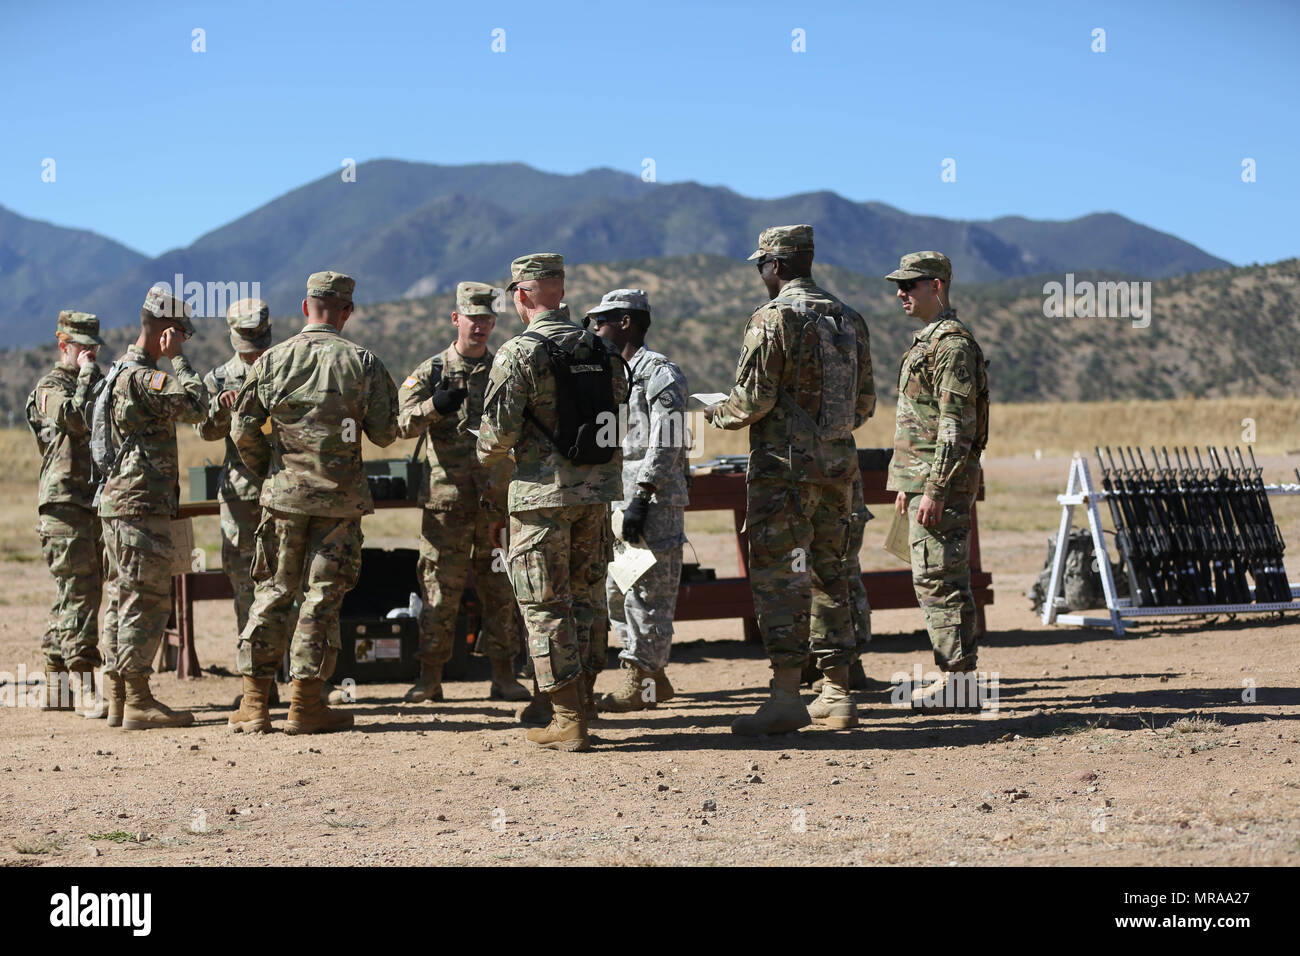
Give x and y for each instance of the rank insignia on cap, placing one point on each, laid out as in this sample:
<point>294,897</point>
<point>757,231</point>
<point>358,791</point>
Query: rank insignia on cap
<point>410,382</point>
<point>157,380</point>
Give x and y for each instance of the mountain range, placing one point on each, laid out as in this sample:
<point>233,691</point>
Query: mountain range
<point>1222,332</point>
<point>409,230</point>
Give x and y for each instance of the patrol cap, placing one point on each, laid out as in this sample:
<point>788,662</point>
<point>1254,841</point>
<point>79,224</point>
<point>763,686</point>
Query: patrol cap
<point>922,265</point>
<point>80,327</point>
<point>623,300</point>
<point>250,325</point>
<point>784,241</point>
<point>537,265</point>
<point>476,298</point>
<point>161,304</point>
<point>331,285</point>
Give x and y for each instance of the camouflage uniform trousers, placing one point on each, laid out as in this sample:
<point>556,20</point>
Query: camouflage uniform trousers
<point>239,521</point>
<point>73,547</point>
<point>598,648</point>
<point>317,555</point>
<point>451,542</point>
<point>941,576</point>
<point>140,591</point>
<point>557,569</point>
<point>108,632</point>
<point>859,607</point>
<point>643,615</point>
<point>799,543</point>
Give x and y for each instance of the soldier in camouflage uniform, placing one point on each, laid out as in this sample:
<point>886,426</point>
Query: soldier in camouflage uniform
<point>442,401</point>
<point>558,509</point>
<point>803,383</point>
<point>320,392</point>
<point>250,336</point>
<point>69,527</point>
<point>138,502</point>
<point>941,430</point>
<point>653,505</point>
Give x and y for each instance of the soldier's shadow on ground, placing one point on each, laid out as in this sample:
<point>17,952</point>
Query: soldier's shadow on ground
<point>884,727</point>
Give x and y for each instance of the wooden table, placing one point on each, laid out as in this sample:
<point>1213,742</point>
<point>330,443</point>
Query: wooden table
<point>697,601</point>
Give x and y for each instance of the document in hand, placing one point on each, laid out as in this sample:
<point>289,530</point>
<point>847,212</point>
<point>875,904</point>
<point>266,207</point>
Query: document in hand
<point>705,399</point>
<point>630,560</point>
<point>896,540</point>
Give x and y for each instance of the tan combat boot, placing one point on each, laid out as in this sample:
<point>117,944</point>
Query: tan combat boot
<point>58,688</point>
<point>953,692</point>
<point>663,687</point>
<point>308,713</point>
<point>144,712</point>
<point>781,713</point>
<point>254,715</point>
<point>428,687</point>
<point>631,694</point>
<point>91,702</point>
<point>568,728</point>
<point>538,711</point>
<point>834,707</point>
<point>587,695</point>
<point>504,685</point>
<point>115,694</point>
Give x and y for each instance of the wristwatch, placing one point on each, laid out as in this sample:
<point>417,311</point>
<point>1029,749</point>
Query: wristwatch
<point>643,493</point>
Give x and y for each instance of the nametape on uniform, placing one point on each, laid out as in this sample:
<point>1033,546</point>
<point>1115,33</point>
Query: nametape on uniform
<point>157,380</point>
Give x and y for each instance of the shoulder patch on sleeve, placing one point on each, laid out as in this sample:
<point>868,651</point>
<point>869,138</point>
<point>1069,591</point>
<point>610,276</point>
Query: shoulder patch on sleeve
<point>157,380</point>
<point>410,382</point>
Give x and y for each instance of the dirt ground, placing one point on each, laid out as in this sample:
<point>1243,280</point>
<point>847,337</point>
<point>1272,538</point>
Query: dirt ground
<point>1176,744</point>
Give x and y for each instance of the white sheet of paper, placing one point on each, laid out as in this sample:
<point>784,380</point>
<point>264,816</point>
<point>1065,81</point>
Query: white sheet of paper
<point>630,560</point>
<point>705,399</point>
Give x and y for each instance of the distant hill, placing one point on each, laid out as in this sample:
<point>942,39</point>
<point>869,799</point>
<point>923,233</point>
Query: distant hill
<point>701,303</point>
<point>37,258</point>
<point>407,230</point>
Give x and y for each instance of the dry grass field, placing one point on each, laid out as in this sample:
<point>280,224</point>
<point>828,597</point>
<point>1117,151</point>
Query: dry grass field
<point>1175,744</point>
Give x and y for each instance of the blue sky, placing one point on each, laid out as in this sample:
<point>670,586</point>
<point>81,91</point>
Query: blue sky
<point>155,144</point>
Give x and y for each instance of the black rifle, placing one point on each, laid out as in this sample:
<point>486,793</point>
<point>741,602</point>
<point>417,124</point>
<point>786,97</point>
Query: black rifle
<point>1129,548</point>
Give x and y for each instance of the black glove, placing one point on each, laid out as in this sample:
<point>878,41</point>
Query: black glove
<point>447,400</point>
<point>634,519</point>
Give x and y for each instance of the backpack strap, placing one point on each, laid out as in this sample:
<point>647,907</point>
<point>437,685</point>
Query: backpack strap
<point>551,348</point>
<point>110,382</point>
<point>436,365</point>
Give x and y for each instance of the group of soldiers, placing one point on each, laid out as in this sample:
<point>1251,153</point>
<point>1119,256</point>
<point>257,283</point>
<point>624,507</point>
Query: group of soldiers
<point>507,475</point>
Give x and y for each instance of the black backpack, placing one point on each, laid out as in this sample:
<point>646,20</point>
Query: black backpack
<point>584,399</point>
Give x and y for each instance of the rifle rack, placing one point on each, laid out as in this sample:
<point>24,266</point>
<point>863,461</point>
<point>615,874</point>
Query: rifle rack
<point>1079,490</point>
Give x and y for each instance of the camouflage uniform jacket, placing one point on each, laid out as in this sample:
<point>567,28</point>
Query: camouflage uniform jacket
<point>320,392</point>
<point>782,391</point>
<point>61,399</point>
<point>942,421</point>
<point>521,379</point>
<point>145,407</point>
<point>237,482</point>
<point>456,479</point>
<point>655,444</point>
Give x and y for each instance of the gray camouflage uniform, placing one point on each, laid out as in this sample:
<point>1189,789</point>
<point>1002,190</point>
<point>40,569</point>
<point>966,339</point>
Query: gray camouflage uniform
<point>654,453</point>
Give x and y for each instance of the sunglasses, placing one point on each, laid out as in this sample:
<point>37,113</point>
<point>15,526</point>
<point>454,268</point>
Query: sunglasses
<point>907,285</point>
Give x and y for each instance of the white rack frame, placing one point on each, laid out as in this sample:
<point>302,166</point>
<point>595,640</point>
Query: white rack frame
<point>1079,490</point>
